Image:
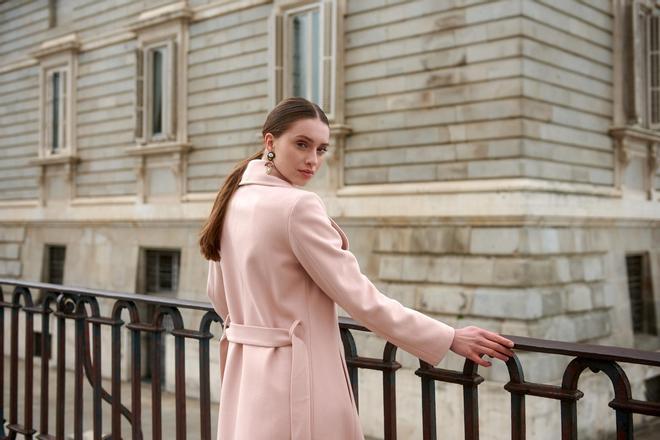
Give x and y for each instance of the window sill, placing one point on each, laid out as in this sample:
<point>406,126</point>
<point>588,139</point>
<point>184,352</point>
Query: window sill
<point>159,148</point>
<point>635,132</point>
<point>55,159</point>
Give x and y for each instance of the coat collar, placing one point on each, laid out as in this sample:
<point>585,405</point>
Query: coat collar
<point>255,173</point>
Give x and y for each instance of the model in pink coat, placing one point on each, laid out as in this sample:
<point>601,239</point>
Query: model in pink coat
<point>278,268</point>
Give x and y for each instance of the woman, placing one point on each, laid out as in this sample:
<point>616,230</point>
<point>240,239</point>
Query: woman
<point>278,267</point>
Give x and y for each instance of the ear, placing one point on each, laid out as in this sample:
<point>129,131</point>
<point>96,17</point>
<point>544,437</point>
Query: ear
<point>268,141</point>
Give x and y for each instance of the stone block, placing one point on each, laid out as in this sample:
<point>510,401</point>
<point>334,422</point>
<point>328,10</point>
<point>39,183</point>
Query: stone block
<point>477,271</point>
<point>439,240</point>
<point>395,239</point>
<point>9,250</point>
<point>542,240</point>
<point>592,325</point>
<point>494,240</point>
<point>541,272</point>
<point>506,303</point>
<point>452,171</point>
<point>12,233</point>
<point>412,173</point>
<point>390,268</point>
<point>10,268</point>
<point>494,168</point>
<point>445,270</point>
<point>563,269</point>
<point>510,272</point>
<point>444,299</point>
<point>415,268</point>
<point>578,298</point>
<point>593,268</point>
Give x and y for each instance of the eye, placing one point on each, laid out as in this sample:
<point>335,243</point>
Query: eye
<point>301,144</point>
<point>323,150</point>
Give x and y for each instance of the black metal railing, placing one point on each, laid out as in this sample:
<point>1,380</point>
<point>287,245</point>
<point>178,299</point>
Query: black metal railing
<point>82,307</point>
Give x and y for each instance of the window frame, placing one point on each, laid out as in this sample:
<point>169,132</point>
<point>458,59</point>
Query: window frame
<point>63,110</point>
<point>331,56</point>
<point>65,61</point>
<point>288,38</point>
<point>144,90</point>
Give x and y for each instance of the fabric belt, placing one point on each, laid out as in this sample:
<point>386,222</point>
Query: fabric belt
<point>300,377</point>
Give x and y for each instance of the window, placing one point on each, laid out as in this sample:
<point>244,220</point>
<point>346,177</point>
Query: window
<point>304,59</point>
<point>56,110</point>
<point>638,59</point>
<point>58,62</point>
<point>652,30</point>
<point>161,81</point>
<point>162,273</point>
<point>305,54</point>
<point>54,267</point>
<point>156,93</point>
<point>642,306</point>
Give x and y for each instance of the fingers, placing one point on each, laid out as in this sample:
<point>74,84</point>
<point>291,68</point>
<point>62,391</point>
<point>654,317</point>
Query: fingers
<point>479,361</point>
<point>508,343</point>
<point>499,349</point>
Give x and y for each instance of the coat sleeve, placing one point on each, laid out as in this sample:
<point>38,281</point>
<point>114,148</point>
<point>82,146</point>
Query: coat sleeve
<point>215,289</point>
<point>317,245</point>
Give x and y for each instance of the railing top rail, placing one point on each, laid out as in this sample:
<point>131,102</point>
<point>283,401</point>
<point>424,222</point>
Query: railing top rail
<point>152,299</point>
<point>593,351</point>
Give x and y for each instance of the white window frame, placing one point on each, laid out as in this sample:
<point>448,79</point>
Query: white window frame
<point>66,64</point>
<point>651,90</point>
<point>287,38</point>
<point>330,71</point>
<point>144,88</point>
<point>63,111</point>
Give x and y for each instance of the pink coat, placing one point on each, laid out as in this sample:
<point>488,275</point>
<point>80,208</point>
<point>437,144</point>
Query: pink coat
<point>284,266</point>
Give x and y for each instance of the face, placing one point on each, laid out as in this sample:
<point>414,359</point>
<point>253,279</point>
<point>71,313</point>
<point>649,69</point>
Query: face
<point>298,151</point>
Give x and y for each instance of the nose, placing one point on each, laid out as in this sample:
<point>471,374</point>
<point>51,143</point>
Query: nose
<point>312,159</point>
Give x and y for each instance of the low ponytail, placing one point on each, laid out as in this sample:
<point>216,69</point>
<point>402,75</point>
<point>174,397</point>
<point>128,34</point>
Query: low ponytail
<point>209,241</point>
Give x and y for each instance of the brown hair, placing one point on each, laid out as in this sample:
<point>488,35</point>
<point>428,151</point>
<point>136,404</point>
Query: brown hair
<point>277,122</point>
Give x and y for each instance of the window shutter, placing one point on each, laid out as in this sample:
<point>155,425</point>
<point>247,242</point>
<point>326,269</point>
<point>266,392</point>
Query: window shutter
<point>139,95</point>
<point>171,103</point>
<point>327,38</point>
<point>279,58</point>
<point>48,114</point>
<point>653,71</point>
<point>63,109</point>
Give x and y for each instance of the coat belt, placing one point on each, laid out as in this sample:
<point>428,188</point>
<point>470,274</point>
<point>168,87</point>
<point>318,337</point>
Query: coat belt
<point>300,400</point>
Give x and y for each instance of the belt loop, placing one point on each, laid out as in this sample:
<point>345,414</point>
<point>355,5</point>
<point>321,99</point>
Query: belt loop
<point>225,322</point>
<point>293,327</point>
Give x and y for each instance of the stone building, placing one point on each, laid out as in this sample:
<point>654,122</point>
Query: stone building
<point>493,162</point>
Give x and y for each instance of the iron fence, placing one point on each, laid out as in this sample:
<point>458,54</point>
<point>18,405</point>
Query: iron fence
<point>81,307</point>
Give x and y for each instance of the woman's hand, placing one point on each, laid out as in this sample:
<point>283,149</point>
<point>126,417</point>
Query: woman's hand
<point>471,342</point>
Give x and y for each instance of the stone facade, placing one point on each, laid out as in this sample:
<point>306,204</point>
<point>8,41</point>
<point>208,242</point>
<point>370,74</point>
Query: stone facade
<point>483,167</point>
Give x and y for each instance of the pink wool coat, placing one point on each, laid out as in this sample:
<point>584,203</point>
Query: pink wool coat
<point>284,267</point>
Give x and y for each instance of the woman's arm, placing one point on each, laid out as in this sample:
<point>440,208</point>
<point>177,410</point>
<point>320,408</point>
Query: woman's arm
<point>317,245</point>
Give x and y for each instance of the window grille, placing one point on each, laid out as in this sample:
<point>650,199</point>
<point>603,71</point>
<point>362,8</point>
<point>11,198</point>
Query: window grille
<point>162,271</point>
<point>642,306</point>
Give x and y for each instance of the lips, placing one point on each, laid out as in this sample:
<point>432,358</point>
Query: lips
<point>307,172</point>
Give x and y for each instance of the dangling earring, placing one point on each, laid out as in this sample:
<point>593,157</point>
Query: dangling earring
<point>269,164</point>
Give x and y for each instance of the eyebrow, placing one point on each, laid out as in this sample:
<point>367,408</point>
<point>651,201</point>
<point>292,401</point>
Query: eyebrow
<point>311,140</point>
